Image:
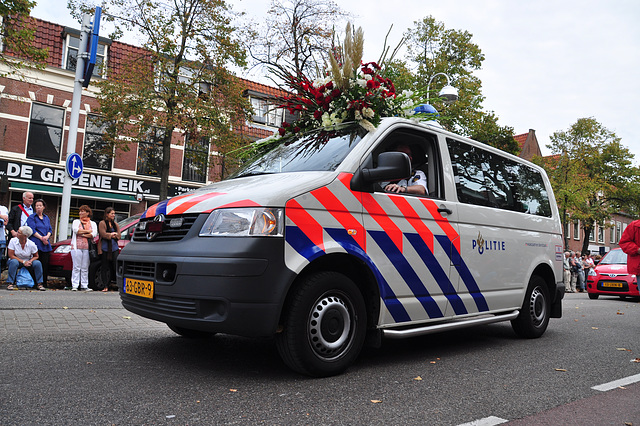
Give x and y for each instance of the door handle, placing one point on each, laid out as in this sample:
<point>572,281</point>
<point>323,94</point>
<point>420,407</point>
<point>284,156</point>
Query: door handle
<point>444,210</point>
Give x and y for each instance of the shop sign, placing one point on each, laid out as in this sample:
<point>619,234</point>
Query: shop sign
<point>36,173</point>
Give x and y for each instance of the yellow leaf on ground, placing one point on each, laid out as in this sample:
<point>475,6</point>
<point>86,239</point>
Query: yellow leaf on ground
<point>417,378</point>
<point>233,390</point>
<point>560,369</point>
<point>594,328</point>
<point>126,317</point>
<point>376,401</point>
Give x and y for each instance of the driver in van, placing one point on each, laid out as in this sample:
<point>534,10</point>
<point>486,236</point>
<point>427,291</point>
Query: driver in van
<point>417,182</point>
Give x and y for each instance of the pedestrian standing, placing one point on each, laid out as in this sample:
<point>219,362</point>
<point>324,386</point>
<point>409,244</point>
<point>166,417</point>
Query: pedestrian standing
<point>19,214</point>
<point>108,246</point>
<point>83,229</point>
<point>566,272</point>
<point>574,271</point>
<point>41,225</point>
<point>630,244</point>
<point>4,219</point>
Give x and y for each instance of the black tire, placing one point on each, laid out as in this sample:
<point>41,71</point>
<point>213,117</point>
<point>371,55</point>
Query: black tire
<point>189,333</point>
<point>324,325</point>
<point>534,316</point>
<point>95,276</point>
<point>593,296</point>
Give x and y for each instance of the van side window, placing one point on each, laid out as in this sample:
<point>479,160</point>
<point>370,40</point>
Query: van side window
<point>487,179</point>
<point>424,156</point>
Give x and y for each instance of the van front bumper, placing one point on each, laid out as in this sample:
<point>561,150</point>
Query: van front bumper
<point>224,293</point>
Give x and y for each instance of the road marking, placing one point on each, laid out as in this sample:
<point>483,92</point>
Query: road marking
<point>617,383</point>
<point>487,421</point>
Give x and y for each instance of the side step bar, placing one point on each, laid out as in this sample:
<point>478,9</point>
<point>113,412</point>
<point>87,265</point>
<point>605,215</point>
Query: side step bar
<point>429,329</point>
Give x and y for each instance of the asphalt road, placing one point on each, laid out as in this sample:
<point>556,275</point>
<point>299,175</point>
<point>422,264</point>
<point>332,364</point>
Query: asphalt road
<point>79,358</point>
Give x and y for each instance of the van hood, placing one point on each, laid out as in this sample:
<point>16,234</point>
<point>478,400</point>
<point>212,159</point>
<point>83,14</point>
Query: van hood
<point>271,190</point>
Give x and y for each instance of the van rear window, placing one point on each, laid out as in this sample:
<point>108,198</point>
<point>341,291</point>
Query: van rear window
<point>487,179</point>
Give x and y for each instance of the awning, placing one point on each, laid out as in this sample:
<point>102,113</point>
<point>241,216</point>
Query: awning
<point>75,192</point>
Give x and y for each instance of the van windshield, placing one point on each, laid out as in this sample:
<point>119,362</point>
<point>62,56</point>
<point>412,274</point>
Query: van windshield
<point>320,150</point>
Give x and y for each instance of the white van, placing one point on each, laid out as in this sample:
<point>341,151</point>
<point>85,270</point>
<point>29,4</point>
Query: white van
<point>305,245</point>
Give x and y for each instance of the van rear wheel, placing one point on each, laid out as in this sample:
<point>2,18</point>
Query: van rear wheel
<point>534,315</point>
<point>324,325</point>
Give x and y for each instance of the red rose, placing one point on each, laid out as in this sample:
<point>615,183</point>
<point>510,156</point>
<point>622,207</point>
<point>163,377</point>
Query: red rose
<point>317,114</point>
<point>282,131</point>
<point>285,124</point>
<point>296,129</point>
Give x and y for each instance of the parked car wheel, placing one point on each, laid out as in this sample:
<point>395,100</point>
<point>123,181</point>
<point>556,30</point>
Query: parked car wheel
<point>95,276</point>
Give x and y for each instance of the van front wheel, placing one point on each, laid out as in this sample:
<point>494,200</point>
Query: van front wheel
<point>535,312</point>
<point>323,326</point>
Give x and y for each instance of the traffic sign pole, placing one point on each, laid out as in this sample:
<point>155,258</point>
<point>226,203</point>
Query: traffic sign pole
<point>73,126</point>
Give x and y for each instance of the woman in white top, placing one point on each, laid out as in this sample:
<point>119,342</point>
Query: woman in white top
<point>83,229</point>
<point>23,253</point>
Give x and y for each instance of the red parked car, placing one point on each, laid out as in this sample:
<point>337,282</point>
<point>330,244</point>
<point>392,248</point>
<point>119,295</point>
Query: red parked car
<point>60,263</point>
<point>610,277</point>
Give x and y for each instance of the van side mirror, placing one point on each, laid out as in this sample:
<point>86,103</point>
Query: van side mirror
<point>391,166</point>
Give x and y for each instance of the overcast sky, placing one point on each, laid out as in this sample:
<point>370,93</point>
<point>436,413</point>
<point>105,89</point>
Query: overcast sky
<point>547,63</point>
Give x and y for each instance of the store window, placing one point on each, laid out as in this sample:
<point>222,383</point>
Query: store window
<point>96,154</point>
<point>150,153</point>
<point>45,133</point>
<point>71,56</point>
<point>196,156</point>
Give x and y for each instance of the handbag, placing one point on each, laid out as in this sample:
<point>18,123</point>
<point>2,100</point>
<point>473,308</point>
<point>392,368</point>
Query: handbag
<point>93,249</point>
<point>23,279</point>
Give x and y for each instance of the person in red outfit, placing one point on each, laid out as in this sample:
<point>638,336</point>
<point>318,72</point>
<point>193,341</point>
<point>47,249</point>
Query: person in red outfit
<point>630,244</point>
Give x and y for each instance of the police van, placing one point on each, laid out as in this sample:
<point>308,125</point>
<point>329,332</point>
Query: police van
<point>305,244</point>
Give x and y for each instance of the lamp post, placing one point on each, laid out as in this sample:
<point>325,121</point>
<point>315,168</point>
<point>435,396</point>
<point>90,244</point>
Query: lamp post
<point>448,92</point>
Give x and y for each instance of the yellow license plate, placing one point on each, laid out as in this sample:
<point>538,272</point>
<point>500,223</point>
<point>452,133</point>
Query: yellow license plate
<point>612,284</point>
<point>137,287</point>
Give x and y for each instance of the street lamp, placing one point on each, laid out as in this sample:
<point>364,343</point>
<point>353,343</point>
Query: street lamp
<point>448,92</point>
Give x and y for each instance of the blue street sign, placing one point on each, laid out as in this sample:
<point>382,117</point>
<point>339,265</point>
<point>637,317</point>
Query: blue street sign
<point>74,165</point>
<point>92,48</point>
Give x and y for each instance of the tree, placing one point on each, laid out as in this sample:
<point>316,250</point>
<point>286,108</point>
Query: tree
<point>179,81</point>
<point>591,173</point>
<point>434,49</point>
<point>17,34</point>
<point>297,35</point>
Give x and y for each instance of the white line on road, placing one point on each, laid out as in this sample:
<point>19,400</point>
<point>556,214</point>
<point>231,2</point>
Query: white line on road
<point>617,383</point>
<point>487,421</point>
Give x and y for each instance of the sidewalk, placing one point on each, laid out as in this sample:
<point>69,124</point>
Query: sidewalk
<point>60,311</point>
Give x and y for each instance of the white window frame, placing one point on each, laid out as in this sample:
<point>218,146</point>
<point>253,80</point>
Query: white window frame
<point>266,113</point>
<point>576,230</point>
<point>65,55</point>
<point>618,231</point>
<point>601,234</point>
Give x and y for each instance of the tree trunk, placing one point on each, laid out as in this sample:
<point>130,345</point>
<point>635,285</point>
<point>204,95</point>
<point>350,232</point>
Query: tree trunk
<point>585,242</point>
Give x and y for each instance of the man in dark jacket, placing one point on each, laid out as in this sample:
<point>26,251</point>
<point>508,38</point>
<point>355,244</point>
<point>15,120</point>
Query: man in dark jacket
<point>630,244</point>
<point>19,214</point>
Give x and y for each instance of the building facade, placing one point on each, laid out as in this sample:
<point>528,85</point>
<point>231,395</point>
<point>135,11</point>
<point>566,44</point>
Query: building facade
<point>35,109</point>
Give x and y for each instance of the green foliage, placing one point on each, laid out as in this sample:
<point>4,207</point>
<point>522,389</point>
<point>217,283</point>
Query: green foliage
<point>180,81</point>
<point>592,174</point>
<point>18,33</point>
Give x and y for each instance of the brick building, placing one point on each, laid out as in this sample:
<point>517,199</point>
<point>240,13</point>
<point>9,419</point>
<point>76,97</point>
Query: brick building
<point>35,109</point>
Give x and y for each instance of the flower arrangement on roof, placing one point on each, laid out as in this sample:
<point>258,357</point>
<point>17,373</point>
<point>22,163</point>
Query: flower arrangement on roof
<point>352,92</point>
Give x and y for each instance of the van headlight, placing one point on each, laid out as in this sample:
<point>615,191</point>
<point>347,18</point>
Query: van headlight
<point>244,222</point>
